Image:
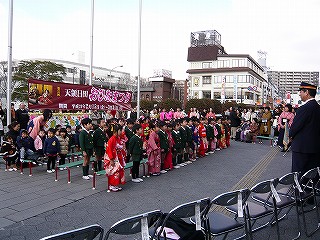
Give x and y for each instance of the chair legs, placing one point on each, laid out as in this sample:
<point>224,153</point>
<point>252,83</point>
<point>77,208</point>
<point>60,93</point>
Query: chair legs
<point>303,211</point>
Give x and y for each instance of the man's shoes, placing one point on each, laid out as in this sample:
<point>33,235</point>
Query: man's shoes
<point>85,177</point>
<point>135,180</point>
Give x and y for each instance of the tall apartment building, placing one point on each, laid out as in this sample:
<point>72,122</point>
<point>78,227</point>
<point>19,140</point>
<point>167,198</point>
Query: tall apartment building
<point>290,81</point>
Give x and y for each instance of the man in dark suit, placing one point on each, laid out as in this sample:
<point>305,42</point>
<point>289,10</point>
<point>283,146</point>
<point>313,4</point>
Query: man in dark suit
<point>305,131</point>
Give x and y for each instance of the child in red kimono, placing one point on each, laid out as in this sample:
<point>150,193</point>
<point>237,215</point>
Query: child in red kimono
<point>154,151</point>
<point>203,138</point>
<point>114,169</point>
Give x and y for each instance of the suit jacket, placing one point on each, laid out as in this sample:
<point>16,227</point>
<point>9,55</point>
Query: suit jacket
<point>86,141</point>
<point>99,138</point>
<point>164,141</point>
<point>184,136</point>
<point>305,128</point>
<point>177,140</point>
<point>136,148</point>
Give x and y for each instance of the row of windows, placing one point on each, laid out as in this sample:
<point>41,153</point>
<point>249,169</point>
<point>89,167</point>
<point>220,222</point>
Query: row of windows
<point>227,79</point>
<point>234,63</point>
<point>228,95</point>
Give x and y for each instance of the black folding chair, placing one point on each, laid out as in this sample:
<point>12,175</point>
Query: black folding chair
<point>222,224</point>
<point>136,224</point>
<point>265,193</point>
<point>86,233</point>
<point>308,197</point>
<point>276,202</point>
<point>195,209</point>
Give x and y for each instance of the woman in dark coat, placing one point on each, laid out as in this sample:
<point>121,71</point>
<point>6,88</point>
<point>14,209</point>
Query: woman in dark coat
<point>14,131</point>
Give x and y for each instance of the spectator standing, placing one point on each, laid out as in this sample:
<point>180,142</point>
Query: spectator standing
<point>286,116</point>
<point>133,114</point>
<point>51,149</point>
<point>178,114</point>
<point>163,115</point>
<point>13,113</point>
<point>22,116</point>
<point>1,121</point>
<point>265,126</point>
<point>235,122</point>
<point>211,114</point>
<point>305,131</point>
<point>170,114</point>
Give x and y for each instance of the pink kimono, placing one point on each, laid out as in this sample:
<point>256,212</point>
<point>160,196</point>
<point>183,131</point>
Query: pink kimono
<point>154,153</point>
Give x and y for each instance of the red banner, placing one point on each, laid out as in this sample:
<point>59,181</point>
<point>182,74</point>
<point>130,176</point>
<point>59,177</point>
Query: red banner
<point>64,96</point>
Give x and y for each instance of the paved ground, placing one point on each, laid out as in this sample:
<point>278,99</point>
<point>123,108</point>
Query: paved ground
<point>37,206</point>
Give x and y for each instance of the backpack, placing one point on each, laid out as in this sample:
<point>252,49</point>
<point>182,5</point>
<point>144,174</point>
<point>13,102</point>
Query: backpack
<point>186,231</point>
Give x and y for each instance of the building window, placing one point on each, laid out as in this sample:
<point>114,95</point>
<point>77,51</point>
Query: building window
<point>229,95</point>
<point>217,79</point>
<point>206,65</point>
<point>229,79</point>
<point>206,79</point>
<point>235,63</point>
<point>242,63</point>
<point>206,94</point>
<point>217,95</point>
<point>147,97</point>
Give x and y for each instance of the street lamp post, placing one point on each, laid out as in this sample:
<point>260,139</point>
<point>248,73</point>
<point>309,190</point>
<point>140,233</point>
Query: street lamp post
<point>111,73</point>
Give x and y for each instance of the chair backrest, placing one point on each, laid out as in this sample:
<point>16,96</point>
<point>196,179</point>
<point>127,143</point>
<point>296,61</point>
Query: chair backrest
<point>238,197</point>
<point>136,224</point>
<point>268,186</point>
<point>265,186</point>
<point>85,233</point>
<point>195,209</point>
<point>310,178</point>
<point>188,210</point>
<point>231,198</point>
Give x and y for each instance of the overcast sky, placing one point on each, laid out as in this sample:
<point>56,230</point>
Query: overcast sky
<point>288,30</point>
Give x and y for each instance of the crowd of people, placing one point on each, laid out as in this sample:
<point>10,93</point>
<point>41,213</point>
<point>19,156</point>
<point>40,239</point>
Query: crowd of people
<point>169,140</point>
